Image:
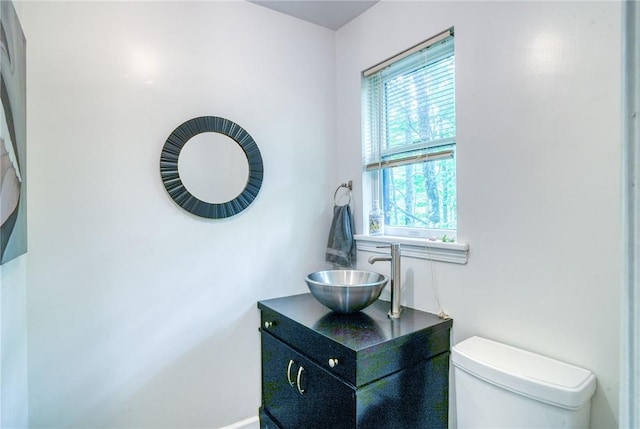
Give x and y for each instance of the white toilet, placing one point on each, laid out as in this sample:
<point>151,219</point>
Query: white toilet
<point>499,386</point>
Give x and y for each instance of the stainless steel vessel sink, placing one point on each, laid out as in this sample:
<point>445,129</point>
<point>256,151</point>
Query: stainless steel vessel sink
<point>346,291</point>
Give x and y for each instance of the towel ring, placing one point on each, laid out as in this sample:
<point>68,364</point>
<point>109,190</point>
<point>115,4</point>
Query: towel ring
<point>348,186</point>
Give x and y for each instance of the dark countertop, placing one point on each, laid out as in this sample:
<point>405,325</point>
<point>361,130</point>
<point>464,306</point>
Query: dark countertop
<point>358,331</point>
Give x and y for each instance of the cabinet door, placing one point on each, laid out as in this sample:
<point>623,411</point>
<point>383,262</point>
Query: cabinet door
<point>299,394</point>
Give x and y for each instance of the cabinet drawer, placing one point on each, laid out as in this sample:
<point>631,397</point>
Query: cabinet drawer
<point>383,356</point>
<point>320,348</point>
<point>297,393</point>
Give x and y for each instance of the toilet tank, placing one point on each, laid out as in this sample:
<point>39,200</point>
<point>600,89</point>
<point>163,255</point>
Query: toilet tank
<point>500,386</point>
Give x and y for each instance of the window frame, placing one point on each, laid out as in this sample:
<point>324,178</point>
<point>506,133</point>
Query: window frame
<point>372,123</point>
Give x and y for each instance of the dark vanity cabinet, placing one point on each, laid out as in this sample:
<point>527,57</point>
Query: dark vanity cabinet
<point>326,370</point>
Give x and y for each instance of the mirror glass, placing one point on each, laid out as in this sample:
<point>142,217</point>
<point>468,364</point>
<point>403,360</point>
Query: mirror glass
<point>213,167</point>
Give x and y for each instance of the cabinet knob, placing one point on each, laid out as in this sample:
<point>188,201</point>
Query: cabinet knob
<point>333,362</point>
<point>268,325</point>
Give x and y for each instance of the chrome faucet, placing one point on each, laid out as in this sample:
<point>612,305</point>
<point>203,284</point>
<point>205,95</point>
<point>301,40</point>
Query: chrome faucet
<point>396,307</point>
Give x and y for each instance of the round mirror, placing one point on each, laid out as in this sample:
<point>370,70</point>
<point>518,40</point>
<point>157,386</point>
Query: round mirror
<point>218,173</point>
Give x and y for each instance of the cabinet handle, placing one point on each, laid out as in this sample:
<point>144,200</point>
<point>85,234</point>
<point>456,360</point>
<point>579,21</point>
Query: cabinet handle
<point>291,382</point>
<point>268,325</point>
<point>333,362</point>
<point>298,381</point>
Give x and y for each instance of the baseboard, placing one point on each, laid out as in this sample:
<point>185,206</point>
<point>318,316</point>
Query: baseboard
<point>248,423</point>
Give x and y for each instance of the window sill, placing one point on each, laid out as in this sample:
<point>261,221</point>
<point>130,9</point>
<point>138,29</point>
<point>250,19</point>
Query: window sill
<point>420,248</point>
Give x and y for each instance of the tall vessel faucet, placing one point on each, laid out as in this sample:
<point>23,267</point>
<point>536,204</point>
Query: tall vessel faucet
<point>395,282</point>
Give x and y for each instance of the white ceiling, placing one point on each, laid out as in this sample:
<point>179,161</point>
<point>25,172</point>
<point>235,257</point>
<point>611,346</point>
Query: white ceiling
<point>331,14</point>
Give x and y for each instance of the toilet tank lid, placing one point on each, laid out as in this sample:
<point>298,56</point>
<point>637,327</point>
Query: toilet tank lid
<point>530,374</point>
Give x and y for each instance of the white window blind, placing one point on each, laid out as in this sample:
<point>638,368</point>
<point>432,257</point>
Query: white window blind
<point>409,130</point>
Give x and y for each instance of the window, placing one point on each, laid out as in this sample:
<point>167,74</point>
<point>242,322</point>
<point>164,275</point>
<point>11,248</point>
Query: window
<point>409,144</point>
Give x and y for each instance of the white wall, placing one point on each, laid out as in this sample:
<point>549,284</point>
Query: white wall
<point>538,105</point>
<point>13,344</point>
<point>140,314</point>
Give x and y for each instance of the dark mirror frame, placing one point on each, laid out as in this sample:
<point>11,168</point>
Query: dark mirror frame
<point>171,176</point>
